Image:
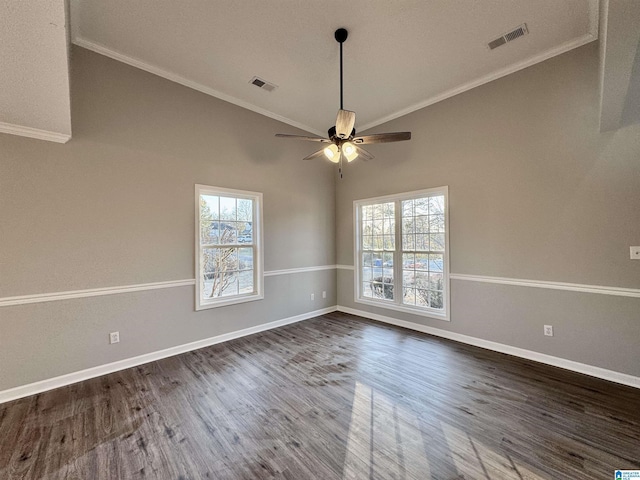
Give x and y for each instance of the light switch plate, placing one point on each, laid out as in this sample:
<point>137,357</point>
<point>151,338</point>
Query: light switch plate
<point>635,253</point>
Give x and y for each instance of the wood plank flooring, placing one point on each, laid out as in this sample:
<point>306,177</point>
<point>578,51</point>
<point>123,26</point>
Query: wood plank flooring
<point>335,397</point>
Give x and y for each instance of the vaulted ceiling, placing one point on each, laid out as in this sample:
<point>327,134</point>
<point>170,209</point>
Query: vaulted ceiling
<point>401,55</point>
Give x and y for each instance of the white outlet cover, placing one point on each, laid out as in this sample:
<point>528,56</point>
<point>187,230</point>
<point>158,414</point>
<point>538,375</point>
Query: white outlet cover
<point>548,330</point>
<point>114,337</point>
<point>635,253</point>
<point>313,296</point>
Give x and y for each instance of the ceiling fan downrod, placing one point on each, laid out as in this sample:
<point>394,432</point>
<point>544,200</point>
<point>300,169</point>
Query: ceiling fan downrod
<point>341,36</point>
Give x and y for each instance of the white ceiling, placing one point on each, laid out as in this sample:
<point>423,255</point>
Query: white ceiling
<point>34,69</point>
<point>400,55</point>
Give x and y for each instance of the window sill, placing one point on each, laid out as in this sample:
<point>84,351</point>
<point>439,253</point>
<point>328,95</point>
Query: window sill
<point>405,309</point>
<point>229,301</point>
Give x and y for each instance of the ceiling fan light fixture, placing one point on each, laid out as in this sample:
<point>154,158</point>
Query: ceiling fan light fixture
<point>350,151</point>
<point>332,153</point>
<point>341,138</point>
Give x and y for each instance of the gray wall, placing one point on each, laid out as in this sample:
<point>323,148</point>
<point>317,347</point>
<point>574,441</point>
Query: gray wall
<point>536,192</point>
<point>115,206</point>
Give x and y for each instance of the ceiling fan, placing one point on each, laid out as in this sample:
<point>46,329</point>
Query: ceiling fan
<point>342,139</point>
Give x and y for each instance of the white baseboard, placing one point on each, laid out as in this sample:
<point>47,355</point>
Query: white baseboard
<point>597,372</point>
<point>61,381</point>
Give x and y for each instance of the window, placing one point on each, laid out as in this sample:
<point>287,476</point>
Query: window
<point>228,246</point>
<point>402,253</point>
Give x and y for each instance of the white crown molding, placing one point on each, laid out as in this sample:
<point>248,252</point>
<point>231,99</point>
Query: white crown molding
<point>68,379</point>
<point>585,369</point>
<point>23,131</point>
<point>97,292</point>
<point>565,47</point>
<point>571,287</point>
<point>174,77</point>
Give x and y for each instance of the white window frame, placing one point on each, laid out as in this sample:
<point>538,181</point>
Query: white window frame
<point>396,303</point>
<point>258,248</point>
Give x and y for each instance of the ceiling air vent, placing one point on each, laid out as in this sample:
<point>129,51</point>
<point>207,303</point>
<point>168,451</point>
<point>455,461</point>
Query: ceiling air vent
<point>263,84</point>
<point>508,37</point>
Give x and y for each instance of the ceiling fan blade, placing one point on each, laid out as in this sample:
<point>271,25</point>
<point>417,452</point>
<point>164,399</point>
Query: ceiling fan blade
<point>382,138</point>
<point>344,123</point>
<point>363,154</point>
<point>302,137</point>
<point>314,155</point>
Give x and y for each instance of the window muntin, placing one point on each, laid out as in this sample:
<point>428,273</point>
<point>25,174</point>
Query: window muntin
<point>401,246</point>
<point>228,246</point>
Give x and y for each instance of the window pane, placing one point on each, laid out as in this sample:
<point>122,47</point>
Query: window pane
<point>245,210</point>
<point>421,206</point>
<point>230,287</point>
<point>422,261</point>
<point>422,242</point>
<point>435,300</point>
<point>245,281</point>
<point>409,242</point>
<point>437,242</point>
<point>436,262</point>
<point>245,232</point>
<point>218,270</point>
<point>367,289</point>
<point>245,259</point>
<point>367,259</point>
<point>421,280</point>
<point>407,208</point>
<point>366,213</point>
<point>408,259</point>
<point>382,287</point>
<point>378,242</point>
<point>435,281</point>
<point>208,215</point>
<point>436,204</point>
<point>389,242</point>
<point>209,206</point>
<point>421,224</point>
<point>227,208</point>
<point>367,274</point>
<point>436,223</point>
<point>387,260</point>
<point>409,297</point>
<point>422,298</point>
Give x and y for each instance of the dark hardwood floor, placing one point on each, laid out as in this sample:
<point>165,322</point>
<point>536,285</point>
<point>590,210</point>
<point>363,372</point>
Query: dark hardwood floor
<point>336,397</point>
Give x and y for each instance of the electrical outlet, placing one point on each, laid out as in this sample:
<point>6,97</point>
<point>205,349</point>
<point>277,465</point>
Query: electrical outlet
<point>324,294</point>
<point>548,330</point>
<point>114,337</point>
<point>313,296</point>
<point>635,253</point>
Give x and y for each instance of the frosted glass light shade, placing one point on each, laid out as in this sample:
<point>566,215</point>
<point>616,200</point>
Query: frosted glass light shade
<point>332,153</point>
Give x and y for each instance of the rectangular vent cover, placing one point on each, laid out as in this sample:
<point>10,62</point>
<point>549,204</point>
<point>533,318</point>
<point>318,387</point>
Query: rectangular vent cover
<point>263,84</point>
<point>509,37</point>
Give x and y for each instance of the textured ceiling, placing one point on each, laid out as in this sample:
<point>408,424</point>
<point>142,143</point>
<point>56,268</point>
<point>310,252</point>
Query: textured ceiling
<point>400,55</point>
